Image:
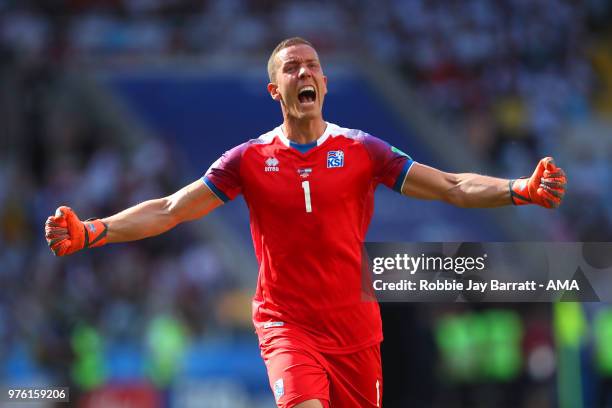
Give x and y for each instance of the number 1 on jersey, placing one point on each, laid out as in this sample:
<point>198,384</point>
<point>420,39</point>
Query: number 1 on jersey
<point>306,187</point>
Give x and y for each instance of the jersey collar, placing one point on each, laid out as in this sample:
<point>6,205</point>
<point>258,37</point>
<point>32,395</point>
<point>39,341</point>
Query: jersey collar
<point>326,134</point>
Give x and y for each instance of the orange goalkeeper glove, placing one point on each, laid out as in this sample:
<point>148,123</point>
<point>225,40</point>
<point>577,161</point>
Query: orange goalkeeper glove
<point>66,234</point>
<point>545,187</point>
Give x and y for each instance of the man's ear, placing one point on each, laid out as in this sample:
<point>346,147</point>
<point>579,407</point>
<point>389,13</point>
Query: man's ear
<point>273,90</point>
<point>325,82</point>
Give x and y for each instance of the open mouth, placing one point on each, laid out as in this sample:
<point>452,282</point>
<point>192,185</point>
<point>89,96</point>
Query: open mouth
<point>307,94</point>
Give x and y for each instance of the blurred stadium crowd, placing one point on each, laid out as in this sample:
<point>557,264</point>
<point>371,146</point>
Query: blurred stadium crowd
<point>519,78</point>
<point>57,318</point>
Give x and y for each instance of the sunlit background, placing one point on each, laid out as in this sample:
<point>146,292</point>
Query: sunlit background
<point>106,103</point>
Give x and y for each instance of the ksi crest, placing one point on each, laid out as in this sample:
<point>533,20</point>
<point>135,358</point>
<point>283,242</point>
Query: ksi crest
<point>335,158</point>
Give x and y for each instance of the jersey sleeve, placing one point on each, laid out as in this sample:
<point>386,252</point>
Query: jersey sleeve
<point>390,165</point>
<point>223,176</point>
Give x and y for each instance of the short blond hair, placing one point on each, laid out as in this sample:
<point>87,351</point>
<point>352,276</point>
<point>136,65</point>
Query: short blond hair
<point>282,45</point>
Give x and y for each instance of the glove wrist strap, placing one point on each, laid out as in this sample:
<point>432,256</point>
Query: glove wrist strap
<point>95,233</point>
<point>519,191</point>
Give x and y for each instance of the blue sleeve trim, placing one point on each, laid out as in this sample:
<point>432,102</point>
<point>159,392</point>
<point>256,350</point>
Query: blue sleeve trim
<point>215,190</point>
<point>399,182</point>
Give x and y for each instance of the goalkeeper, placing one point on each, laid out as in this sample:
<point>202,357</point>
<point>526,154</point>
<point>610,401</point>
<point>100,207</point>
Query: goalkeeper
<point>309,186</point>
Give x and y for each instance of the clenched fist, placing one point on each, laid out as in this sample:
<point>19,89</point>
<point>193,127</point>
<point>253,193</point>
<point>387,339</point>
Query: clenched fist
<point>66,233</point>
<point>545,187</point>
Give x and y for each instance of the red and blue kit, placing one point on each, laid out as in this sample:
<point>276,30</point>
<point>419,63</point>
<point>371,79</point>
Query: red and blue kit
<point>310,208</point>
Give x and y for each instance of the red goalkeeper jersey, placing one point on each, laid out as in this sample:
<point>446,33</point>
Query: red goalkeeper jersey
<point>310,207</point>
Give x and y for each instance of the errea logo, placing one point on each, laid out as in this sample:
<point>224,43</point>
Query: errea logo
<point>271,164</point>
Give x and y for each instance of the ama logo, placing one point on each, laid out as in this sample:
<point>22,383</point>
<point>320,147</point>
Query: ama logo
<point>335,158</point>
<point>271,164</point>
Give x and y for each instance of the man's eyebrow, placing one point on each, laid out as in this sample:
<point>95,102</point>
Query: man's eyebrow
<point>297,61</point>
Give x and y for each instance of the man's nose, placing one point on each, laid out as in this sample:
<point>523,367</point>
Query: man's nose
<point>303,72</point>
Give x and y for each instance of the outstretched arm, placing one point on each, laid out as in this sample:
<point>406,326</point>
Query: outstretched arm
<point>66,234</point>
<point>546,187</point>
<point>154,217</point>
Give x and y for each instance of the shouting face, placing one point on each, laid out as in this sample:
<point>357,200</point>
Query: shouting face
<point>298,82</point>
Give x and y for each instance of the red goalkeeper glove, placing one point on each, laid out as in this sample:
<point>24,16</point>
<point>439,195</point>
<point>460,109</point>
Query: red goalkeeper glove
<point>545,187</point>
<point>66,234</point>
